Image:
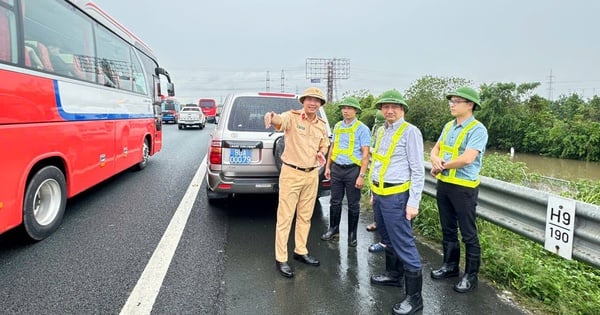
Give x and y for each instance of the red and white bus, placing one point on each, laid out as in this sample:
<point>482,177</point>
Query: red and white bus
<point>79,102</point>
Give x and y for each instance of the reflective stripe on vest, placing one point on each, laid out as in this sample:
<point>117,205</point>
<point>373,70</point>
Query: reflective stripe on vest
<point>338,130</point>
<point>384,159</point>
<point>453,150</point>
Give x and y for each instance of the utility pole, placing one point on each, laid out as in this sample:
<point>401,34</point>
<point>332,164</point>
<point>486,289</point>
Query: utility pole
<point>329,69</point>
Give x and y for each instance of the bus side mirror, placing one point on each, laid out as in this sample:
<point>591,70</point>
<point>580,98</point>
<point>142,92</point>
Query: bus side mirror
<point>170,89</point>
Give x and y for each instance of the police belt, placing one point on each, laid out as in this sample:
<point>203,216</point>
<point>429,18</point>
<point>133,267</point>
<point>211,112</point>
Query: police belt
<point>346,166</point>
<point>387,185</point>
<point>304,169</point>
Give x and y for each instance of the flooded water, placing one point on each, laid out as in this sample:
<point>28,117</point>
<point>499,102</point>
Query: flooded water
<point>560,168</point>
<point>571,170</point>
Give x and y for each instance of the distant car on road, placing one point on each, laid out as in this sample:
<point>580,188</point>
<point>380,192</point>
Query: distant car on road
<point>243,156</point>
<point>209,108</point>
<point>191,116</point>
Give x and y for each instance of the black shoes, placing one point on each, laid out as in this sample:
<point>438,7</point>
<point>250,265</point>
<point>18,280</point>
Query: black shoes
<point>284,269</point>
<point>446,271</point>
<point>387,278</point>
<point>467,283</point>
<point>331,234</point>
<point>307,259</point>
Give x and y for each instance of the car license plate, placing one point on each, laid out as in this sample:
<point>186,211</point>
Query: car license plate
<point>240,156</point>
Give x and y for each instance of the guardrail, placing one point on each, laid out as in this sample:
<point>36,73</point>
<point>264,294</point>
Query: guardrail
<point>523,210</point>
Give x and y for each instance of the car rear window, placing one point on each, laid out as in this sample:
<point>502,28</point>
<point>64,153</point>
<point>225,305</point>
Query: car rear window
<point>190,109</point>
<point>247,112</point>
<point>207,104</point>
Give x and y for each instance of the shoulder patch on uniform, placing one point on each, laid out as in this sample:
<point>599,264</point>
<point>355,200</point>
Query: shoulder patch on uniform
<point>297,112</point>
<point>321,120</point>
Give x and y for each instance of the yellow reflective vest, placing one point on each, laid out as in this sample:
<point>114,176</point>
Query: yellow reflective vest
<point>453,150</point>
<point>349,151</point>
<point>384,159</point>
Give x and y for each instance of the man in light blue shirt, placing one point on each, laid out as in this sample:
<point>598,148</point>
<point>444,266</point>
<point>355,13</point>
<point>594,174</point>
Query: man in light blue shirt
<point>456,163</point>
<point>346,168</point>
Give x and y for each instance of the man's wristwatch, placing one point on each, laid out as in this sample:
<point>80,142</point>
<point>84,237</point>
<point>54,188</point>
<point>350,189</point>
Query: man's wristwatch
<point>363,175</point>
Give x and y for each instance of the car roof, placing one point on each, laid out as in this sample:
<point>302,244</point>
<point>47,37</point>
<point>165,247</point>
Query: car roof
<point>266,94</point>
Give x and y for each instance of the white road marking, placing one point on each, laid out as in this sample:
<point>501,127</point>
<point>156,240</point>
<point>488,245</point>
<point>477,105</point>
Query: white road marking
<point>146,290</point>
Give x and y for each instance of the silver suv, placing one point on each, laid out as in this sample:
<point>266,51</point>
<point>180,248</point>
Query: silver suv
<point>243,156</point>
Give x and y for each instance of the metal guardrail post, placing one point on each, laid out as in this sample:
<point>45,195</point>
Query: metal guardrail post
<point>523,210</point>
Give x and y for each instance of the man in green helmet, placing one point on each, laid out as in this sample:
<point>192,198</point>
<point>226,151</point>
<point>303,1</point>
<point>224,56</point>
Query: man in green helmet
<point>346,168</point>
<point>397,178</point>
<point>456,161</point>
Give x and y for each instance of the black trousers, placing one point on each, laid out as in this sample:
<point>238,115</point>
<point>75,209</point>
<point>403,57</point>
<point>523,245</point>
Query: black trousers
<point>342,183</point>
<point>457,207</point>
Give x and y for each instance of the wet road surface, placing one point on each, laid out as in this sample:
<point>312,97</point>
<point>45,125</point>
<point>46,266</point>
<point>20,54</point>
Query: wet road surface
<point>341,284</point>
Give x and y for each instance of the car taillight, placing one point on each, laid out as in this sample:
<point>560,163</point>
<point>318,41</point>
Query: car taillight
<point>216,152</point>
<point>224,186</point>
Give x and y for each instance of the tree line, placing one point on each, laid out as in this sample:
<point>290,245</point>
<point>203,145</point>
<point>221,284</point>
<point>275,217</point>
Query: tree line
<point>567,128</point>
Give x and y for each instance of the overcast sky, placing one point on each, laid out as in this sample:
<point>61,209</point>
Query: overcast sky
<point>213,48</point>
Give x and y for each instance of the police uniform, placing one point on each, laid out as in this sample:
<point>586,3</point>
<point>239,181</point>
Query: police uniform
<point>299,178</point>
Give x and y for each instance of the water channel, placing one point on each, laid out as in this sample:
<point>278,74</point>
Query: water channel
<point>572,170</point>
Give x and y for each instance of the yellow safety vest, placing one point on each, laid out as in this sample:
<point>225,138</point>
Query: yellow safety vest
<point>453,150</point>
<point>385,163</point>
<point>349,151</point>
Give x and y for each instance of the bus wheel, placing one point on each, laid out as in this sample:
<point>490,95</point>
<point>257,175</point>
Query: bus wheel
<point>145,156</point>
<point>45,202</point>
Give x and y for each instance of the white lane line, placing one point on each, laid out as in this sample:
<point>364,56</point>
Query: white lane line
<point>146,290</point>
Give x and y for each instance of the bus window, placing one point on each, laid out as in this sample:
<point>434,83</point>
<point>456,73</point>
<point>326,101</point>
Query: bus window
<point>67,133</point>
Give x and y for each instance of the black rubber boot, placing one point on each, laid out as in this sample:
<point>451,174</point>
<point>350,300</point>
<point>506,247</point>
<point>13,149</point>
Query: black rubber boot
<point>334,225</point>
<point>352,228</point>
<point>413,301</point>
<point>469,280</point>
<point>451,258</point>
<point>393,270</point>
<point>332,233</point>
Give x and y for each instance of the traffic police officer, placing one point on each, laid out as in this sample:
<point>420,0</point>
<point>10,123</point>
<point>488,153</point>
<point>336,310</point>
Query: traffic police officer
<point>306,144</point>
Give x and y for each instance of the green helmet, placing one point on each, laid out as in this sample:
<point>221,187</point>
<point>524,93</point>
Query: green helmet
<point>468,94</point>
<point>350,101</point>
<point>391,97</point>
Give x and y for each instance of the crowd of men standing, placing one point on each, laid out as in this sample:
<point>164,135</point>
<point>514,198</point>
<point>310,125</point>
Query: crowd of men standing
<point>392,166</point>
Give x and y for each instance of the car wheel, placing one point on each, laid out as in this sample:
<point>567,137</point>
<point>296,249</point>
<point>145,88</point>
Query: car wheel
<point>44,203</point>
<point>145,156</point>
<point>180,127</point>
<point>278,147</point>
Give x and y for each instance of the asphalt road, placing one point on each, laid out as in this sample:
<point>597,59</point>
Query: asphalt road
<point>223,262</point>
